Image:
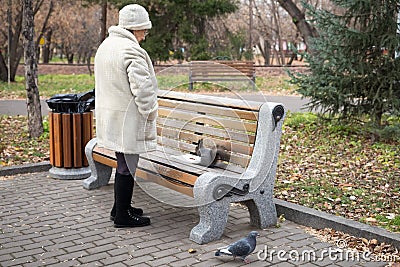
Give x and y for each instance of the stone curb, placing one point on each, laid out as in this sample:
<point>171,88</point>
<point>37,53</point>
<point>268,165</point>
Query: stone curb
<point>25,168</point>
<point>296,213</point>
<point>320,220</point>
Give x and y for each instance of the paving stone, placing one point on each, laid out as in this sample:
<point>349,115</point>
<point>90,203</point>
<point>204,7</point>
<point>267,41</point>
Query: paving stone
<point>184,262</point>
<point>31,252</point>
<point>21,243</point>
<point>115,260</point>
<point>135,261</point>
<point>18,261</point>
<point>6,257</point>
<point>165,252</point>
<point>150,243</point>
<point>144,251</point>
<point>118,251</point>
<point>41,263</point>
<point>90,258</point>
<point>171,244</point>
<point>72,256</point>
<point>297,237</point>
<point>103,248</point>
<point>50,255</point>
<point>162,261</point>
<point>207,263</point>
<point>78,247</point>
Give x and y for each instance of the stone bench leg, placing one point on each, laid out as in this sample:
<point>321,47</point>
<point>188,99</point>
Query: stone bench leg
<point>100,173</point>
<point>262,212</point>
<point>213,218</point>
<point>99,177</point>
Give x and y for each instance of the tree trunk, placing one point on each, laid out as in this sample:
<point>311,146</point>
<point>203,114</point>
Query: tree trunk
<point>15,50</point>
<point>307,31</point>
<point>35,125</point>
<point>3,69</point>
<point>103,20</point>
<point>70,58</point>
<point>46,46</point>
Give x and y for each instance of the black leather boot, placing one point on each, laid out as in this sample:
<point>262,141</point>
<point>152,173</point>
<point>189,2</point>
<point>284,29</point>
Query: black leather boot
<point>134,210</point>
<point>137,211</point>
<point>124,217</point>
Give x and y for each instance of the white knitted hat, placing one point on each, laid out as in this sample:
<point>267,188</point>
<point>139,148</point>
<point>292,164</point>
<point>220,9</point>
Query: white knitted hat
<point>134,17</point>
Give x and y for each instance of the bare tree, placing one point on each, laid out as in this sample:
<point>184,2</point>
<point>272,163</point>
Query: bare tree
<point>14,34</point>
<point>32,92</point>
<point>299,19</point>
<point>76,33</point>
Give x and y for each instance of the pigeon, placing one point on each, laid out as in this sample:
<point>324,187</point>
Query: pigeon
<point>241,248</point>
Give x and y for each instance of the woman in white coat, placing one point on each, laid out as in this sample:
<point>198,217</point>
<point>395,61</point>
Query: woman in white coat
<point>126,106</point>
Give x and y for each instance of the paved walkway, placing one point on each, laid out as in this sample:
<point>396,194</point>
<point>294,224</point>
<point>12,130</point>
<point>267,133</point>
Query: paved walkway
<point>47,222</point>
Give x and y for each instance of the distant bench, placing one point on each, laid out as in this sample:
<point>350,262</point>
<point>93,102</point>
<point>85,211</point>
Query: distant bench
<point>222,71</point>
<point>248,131</point>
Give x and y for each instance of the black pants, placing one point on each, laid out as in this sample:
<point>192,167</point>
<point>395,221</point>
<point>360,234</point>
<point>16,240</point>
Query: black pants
<point>127,163</point>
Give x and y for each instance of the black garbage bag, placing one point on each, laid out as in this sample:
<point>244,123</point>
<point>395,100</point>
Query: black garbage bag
<point>72,103</point>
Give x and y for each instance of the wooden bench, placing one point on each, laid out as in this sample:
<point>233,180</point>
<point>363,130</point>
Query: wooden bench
<point>250,134</point>
<point>221,72</point>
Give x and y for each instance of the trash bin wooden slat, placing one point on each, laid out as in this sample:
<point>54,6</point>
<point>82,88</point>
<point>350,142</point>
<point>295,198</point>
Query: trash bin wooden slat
<point>51,132</point>
<point>67,140</point>
<point>57,134</point>
<point>69,134</point>
<point>77,139</point>
<point>87,131</point>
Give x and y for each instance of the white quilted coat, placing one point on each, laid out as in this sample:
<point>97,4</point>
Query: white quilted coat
<point>126,95</point>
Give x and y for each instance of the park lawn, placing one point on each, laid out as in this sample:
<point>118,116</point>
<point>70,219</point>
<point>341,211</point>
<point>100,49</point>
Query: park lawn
<point>49,85</point>
<point>340,170</point>
<point>322,165</point>
<point>52,84</point>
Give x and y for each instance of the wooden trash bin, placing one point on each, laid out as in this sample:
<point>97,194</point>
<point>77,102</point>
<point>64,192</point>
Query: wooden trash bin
<point>69,133</point>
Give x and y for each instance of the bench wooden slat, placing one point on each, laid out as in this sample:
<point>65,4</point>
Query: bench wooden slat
<point>218,72</point>
<point>104,159</point>
<point>217,78</point>
<point>219,168</point>
<point>163,182</point>
<point>217,122</point>
<point>222,71</point>
<point>107,157</point>
<point>210,100</point>
<point>165,141</point>
<point>178,134</point>
<point>207,109</point>
<point>223,133</point>
<point>238,159</point>
<point>245,67</point>
<point>147,163</point>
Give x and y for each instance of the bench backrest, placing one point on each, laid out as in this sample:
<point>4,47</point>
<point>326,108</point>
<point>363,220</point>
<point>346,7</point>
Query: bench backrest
<point>230,123</point>
<point>210,69</point>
